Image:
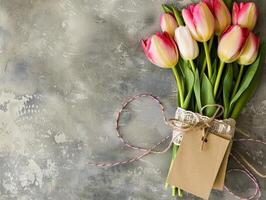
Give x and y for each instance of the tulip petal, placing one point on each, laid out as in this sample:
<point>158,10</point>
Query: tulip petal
<point>200,21</point>
<point>146,45</point>
<point>188,18</point>
<point>170,49</point>
<point>188,47</point>
<point>161,50</point>
<point>245,14</point>
<point>235,13</point>
<point>232,43</point>
<point>250,50</point>
<point>204,20</point>
<point>222,16</point>
<point>168,24</point>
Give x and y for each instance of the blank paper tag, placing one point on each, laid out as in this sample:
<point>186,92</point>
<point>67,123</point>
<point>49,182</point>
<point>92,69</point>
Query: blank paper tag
<point>220,178</point>
<point>194,170</point>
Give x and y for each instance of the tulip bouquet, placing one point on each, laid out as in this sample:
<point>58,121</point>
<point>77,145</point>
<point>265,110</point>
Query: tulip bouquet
<point>213,53</point>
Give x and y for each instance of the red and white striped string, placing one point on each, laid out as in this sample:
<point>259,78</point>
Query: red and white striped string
<point>170,138</point>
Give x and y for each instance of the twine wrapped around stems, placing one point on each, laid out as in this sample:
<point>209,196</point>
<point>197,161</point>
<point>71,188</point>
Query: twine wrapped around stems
<point>185,120</point>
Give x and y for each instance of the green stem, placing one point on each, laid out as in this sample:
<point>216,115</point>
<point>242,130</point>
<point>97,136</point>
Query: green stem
<point>174,150</point>
<point>238,80</point>
<point>179,86</point>
<point>181,95</point>
<point>208,58</point>
<point>205,60</point>
<point>193,66</point>
<point>173,191</point>
<point>218,79</point>
<point>180,194</point>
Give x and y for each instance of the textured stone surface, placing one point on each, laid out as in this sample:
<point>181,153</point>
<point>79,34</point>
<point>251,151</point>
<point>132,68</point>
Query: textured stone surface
<point>65,68</point>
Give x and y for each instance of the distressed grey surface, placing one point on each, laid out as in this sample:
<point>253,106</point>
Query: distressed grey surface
<point>66,66</point>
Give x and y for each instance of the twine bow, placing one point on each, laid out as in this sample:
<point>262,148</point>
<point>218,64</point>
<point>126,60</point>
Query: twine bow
<point>201,124</point>
<point>185,128</point>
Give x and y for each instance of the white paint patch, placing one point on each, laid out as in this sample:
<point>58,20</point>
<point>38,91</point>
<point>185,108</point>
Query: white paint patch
<point>8,184</point>
<point>60,138</point>
<point>32,174</point>
<point>11,138</point>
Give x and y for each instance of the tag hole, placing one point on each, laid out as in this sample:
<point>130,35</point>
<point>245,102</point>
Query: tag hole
<point>204,139</point>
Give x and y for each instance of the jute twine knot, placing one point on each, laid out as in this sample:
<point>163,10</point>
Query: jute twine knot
<point>185,127</point>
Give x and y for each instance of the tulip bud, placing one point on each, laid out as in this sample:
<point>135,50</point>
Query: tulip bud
<point>250,50</point>
<point>222,16</point>
<point>168,24</point>
<point>232,42</point>
<point>200,21</point>
<point>161,50</point>
<point>187,46</point>
<point>245,14</point>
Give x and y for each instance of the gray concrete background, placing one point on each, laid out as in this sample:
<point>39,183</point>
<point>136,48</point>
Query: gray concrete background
<point>65,68</point>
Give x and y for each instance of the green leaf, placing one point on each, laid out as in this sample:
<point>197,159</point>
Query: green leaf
<point>207,96</point>
<point>248,94</point>
<point>167,9</point>
<point>227,89</point>
<point>249,75</point>
<point>189,83</point>
<point>197,89</point>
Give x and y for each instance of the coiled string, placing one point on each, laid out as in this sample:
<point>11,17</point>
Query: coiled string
<point>171,138</point>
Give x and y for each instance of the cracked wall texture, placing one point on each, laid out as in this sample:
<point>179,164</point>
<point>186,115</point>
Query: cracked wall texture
<point>65,68</point>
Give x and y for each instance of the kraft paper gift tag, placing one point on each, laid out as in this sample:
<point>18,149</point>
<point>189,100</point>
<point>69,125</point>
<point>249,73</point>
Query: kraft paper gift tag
<point>219,181</point>
<point>195,170</point>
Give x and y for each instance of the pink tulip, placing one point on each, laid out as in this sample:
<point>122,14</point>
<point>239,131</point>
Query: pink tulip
<point>168,24</point>
<point>250,50</point>
<point>200,21</point>
<point>161,50</point>
<point>221,15</point>
<point>245,14</point>
<point>232,42</point>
